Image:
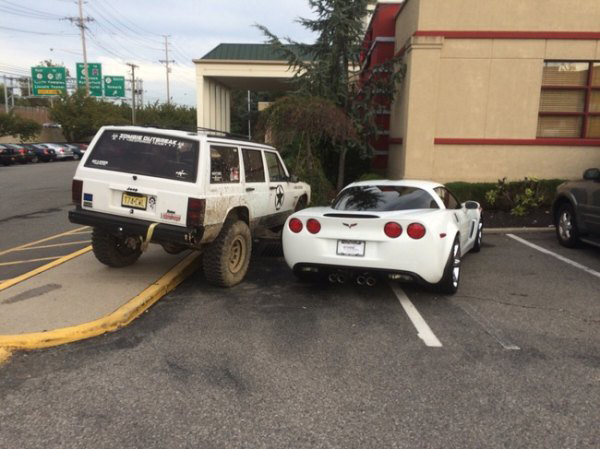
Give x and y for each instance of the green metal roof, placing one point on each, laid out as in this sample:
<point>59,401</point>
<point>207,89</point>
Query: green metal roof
<point>245,52</point>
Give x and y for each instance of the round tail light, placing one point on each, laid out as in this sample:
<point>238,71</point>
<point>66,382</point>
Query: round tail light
<point>313,226</point>
<point>392,229</point>
<point>295,225</point>
<point>415,231</point>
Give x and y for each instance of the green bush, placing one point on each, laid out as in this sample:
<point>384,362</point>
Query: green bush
<point>518,197</point>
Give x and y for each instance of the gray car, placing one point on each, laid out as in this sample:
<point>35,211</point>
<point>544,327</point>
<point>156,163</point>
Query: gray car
<point>62,150</point>
<point>576,210</point>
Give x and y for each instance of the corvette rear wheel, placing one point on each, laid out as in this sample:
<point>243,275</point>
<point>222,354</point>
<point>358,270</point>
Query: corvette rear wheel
<point>477,244</point>
<point>451,279</point>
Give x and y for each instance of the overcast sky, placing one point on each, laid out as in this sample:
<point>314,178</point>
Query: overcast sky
<point>131,31</point>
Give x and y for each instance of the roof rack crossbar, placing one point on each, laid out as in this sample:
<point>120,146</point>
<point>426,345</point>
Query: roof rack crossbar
<point>220,133</point>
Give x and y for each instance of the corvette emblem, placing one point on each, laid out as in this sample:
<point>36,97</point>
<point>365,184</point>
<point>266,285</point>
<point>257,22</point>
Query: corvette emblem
<point>350,225</point>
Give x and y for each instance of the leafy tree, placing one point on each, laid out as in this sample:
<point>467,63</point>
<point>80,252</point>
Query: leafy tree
<point>163,115</point>
<point>13,125</point>
<point>298,125</point>
<point>81,116</point>
<point>329,67</point>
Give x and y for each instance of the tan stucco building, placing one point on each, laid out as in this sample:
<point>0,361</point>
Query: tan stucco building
<point>496,88</point>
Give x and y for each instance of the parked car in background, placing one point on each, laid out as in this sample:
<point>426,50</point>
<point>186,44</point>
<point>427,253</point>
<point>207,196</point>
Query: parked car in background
<point>77,153</point>
<point>576,210</point>
<point>22,155</point>
<point>44,153</point>
<point>7,155</point>
<point>62,151</point>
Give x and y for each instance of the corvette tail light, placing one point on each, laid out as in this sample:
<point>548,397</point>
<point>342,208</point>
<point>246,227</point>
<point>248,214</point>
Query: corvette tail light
<point>313,226</point>
<point>392,230</point>
<point>76,191</point>
<point>295,225</point>
<point>195,212</point>
<point>415,231</point>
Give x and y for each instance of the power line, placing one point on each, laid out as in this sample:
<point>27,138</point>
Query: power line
<point>36,32</point>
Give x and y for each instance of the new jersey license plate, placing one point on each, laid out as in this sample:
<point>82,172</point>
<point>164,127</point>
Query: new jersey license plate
<point>134,201</point>
<point>351,248</point>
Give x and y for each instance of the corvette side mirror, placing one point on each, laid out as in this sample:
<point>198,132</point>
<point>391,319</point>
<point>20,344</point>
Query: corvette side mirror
<point>471,205</point>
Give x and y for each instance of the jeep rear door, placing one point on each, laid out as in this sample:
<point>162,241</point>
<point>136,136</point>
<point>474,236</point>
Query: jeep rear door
<point>142,175</point>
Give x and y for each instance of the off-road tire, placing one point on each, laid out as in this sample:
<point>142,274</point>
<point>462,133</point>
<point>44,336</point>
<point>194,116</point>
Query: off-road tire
<point>221,265</point>
<point>477,245</point>
<point>112,251</point>
<point>449,285</point>
<point>567,231</point>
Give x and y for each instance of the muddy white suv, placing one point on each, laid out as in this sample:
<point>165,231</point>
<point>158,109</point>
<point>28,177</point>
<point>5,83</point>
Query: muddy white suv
<point>183,190</point>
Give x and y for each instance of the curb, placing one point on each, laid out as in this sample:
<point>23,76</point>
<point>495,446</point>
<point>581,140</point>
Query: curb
<point>109,323</point>
<point>516,230</point>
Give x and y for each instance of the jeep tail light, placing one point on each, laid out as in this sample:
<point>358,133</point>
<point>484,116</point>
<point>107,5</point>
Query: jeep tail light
<point>295,225</point>
<point>76,191</point>
<point>415,231</point>
<point>313,226</point>
<point>195,212</point>
<point>392,229</point>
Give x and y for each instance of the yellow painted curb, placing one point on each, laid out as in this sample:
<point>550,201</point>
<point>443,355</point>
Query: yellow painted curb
<point>10,282</point>
<point>4,355</point>
<point>111,322</point>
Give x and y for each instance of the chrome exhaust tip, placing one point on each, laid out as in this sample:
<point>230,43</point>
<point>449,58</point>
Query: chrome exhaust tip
<point>341,279</point>
<point>371,281</point>
<point>360,280</point>
<point>332,278</point>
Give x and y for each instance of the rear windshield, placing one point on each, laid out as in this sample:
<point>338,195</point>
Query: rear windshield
<point>375,198</point>
<point>146,154</point>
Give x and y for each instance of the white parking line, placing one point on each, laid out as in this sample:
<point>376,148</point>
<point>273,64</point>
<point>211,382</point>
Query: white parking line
<point>558,256</point>
<point>423,330</point>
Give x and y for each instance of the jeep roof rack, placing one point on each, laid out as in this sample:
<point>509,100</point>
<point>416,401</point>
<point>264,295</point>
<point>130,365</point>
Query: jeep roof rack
<point>218,133</point>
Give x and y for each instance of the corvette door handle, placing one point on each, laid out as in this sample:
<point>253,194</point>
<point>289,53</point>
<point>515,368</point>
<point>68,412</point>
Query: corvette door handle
<point>250,189</point>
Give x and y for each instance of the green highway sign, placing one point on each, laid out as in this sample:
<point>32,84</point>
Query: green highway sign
<point>114,86</point>
<point>94,75</point>
<point>49,80</point>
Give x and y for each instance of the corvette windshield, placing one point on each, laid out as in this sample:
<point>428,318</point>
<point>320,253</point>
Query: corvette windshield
<point>146,154</point>
<point>376,198</point>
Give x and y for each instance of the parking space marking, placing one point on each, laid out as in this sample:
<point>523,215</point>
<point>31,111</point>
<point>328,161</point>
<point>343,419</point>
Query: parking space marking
<point>52,237</point>
<point>55,245</point>
<point>20,262</point>
<point>10,282</point>
<point>555,255</point>
<point>423,330</point>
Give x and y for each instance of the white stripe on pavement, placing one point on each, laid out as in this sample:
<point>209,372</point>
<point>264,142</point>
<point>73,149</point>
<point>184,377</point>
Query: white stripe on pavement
<point>558,256</point>
<point>423,330</point>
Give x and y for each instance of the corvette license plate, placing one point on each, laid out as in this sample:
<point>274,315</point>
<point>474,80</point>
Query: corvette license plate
<point>134,201</point>
<point>351,248</point>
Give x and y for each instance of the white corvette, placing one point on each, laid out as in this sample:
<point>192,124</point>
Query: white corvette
<point>404,230</point>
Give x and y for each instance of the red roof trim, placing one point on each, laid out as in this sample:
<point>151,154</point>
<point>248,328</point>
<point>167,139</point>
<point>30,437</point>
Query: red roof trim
<point>567,35</point>
<point>522,142</point>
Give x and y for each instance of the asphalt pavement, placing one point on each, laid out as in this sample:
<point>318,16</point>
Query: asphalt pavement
<point>277,363</point>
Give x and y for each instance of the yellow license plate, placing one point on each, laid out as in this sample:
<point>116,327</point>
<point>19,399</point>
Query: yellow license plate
<point>135,201</point>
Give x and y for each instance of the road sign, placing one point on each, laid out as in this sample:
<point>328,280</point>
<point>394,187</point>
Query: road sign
<point>114,86</point>
<point>94,75</point>
<point>49,80</point>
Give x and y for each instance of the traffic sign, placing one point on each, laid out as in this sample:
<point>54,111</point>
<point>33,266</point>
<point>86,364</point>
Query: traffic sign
<point>94,75</point>
<point>114,86</point>
<point>49,80</point>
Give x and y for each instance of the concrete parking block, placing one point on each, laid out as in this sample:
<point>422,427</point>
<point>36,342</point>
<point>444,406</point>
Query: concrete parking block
<point>83,298</point>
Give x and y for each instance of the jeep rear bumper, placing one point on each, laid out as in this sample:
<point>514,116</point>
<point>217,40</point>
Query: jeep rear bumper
<point>116,225</point>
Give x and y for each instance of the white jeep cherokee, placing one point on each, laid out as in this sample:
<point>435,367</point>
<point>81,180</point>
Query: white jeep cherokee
<point>137,185</point>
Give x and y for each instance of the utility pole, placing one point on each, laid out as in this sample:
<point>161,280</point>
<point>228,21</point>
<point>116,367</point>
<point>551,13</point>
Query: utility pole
<point>249,119</point>
<point>166,62</point>
<point>80,23</point>
<point>141,84</point>
<point>5,96</point>
<point>12,92</point>
<point>133,67</point>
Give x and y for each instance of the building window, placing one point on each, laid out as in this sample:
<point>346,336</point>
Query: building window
<point>570,100</point>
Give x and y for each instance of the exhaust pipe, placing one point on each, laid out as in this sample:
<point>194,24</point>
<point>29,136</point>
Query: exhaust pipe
<point>332,278</point>
<point>360,280</point>
<point>341,278</point>
<point>371,281</point>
